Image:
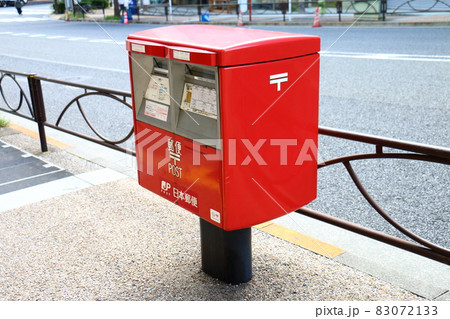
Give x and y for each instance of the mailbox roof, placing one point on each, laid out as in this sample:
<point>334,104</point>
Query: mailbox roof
<point>229,45</point>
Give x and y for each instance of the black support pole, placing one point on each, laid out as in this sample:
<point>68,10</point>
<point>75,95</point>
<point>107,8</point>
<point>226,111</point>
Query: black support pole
<point>37,101</point>
<point>226,255</point>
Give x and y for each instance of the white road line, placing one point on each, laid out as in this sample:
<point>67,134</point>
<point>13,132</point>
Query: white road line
<point>387,56</point>
<point>23,20</point>
<point>62,37</point>
<point>30,177</point>
<point>56,37</point>
<point>26,14</point>
<point>76,39</point>
<point>101,41</point>
<point>64,63</point>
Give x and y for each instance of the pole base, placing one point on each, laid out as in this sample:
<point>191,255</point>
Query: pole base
<point>226,255</point>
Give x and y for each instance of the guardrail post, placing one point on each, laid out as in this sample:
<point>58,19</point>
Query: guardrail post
<point>199,12</point>
<point>37,101</point>
<point>283,8</point>
<point>339,8</point>
<point>384,9</point>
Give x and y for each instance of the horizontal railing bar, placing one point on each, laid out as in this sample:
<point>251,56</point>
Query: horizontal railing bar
<point>92,139</point>
<point>417,157</point>
<point>28,117</point>
<point>379,236</point>
<point>14,73</point>
<point>82,86</point>
<point>85,86</point>
<point>387,142</point>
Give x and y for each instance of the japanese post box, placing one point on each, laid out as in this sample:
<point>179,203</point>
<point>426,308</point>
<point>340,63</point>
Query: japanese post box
<point>226,120</point>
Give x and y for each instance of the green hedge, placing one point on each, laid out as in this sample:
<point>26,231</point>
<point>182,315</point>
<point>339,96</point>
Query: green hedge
<point>100,3</point>
<point>60,7</point>
<point>96,4</point>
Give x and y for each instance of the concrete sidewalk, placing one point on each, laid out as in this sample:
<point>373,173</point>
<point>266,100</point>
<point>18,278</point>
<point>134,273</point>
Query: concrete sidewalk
<point>95,234</point>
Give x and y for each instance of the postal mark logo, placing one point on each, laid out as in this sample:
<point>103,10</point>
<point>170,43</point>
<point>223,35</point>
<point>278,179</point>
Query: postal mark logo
<point>278,79</point>
<point>174,148</point>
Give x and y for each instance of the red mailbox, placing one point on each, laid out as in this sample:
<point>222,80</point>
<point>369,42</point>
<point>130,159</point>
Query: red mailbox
<point>226,120</point>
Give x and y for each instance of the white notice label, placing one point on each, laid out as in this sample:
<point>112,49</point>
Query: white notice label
<point>199,99</point>
<point>180,55</point>
<point>137,47</point>
<point>215,215</point>
<point>156,110</point>
<point>158,89</point>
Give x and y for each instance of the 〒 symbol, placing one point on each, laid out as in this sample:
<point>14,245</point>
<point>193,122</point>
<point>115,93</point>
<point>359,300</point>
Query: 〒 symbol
<point>278,79</point>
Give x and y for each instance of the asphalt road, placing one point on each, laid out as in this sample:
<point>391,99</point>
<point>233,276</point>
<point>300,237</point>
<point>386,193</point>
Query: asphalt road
<point>391,82</point>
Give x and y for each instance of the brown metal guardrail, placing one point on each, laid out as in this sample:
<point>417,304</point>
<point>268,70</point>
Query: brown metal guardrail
<point>380,8</point>
<point>409,151</point>
<point>31,105</point>
<point>36,108</point>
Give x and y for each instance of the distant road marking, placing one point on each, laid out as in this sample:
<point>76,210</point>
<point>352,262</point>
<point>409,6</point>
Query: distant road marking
<point>55,37</point>
<point>387,56</point>
<point>34,12</point>
<point>75,39</point>
<point>64,63</point>
<point>20,19</point>
<point>103,41</point>
<point>62,37</point>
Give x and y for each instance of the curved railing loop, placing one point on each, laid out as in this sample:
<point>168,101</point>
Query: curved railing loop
<point>346,162</point>
<point>414,151</point>
<point>91,126</point>
<point>358,10</point>
<point>416,9</point>
<point>22,98</point>
<point>387,217</point>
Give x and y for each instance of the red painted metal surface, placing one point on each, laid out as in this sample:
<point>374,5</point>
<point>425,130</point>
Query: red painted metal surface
<point>234,46</point>
<point>196,187</point>
<point>268,101</point>
<point>284,178</point>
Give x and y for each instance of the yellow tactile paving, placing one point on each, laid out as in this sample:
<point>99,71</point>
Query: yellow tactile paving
<point>35,135</point>
<point>307,242</point>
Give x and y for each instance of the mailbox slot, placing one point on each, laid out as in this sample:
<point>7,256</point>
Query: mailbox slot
<point>181,98</point>
<point>199,112</point>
